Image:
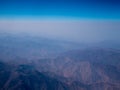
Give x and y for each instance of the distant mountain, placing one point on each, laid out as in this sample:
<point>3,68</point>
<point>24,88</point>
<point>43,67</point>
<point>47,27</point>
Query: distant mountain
<point>98,55</point>
<point>30,47</point>
<point>107,44</point>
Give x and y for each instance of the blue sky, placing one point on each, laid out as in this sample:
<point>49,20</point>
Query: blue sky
<point>79,9</point>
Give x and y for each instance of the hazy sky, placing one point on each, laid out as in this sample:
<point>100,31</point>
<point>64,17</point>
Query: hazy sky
<point>75,20</point>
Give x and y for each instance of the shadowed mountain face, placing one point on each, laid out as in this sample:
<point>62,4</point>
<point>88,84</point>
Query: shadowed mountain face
<point>30,63</point>
<point>25,77</point>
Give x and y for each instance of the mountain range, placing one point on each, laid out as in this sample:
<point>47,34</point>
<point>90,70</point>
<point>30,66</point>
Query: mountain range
<point>36,63</point>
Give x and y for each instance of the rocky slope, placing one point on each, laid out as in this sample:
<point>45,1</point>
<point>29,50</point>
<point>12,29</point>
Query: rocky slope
<point>96,68</point>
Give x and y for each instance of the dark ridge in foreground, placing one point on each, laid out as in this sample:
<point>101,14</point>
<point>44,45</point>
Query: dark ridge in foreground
<point>25,77</point>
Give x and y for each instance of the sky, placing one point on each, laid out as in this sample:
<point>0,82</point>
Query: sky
<point>75,20</point>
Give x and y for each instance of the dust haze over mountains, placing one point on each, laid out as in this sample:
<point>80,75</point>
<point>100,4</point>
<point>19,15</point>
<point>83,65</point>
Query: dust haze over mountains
<point>85,31</point>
